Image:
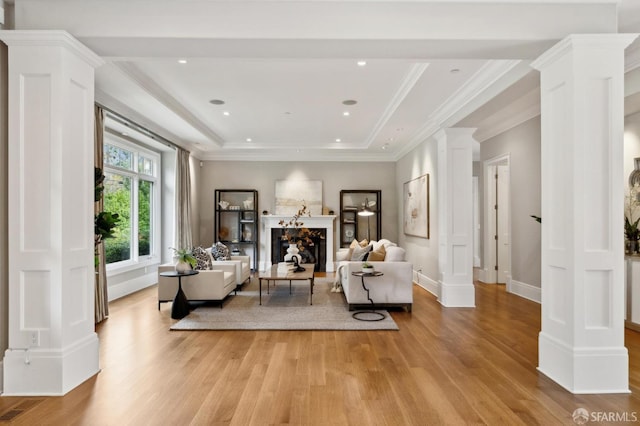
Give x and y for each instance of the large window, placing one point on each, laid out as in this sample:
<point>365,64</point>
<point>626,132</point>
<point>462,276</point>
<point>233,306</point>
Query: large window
<point>131,190</point>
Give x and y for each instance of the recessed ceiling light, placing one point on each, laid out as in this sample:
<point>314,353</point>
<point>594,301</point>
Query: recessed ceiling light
<point>182,61</point>
<point>385,146</point>
<point>338,140</point>
<point>216,102</point>
<point>346,113</point>
<point>455,71</point>
<point>125,134</point>
<point>248,139</point>
<point>349,102</point>
<point>226,113</point>
<point>362,63</point>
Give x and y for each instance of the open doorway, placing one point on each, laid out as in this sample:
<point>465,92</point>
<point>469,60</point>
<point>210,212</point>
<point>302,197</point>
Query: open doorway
<point>497,220</point>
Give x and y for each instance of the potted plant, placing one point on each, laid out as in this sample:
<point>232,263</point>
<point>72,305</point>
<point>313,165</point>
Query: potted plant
<point>184,259</point>
<point>632,233</point>
<point>367,268</point>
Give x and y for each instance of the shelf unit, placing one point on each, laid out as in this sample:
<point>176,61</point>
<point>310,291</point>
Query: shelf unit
<point>236,221</point>
<point>354,226</point>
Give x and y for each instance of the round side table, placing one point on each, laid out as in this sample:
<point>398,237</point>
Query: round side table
<point>180,307</point>
<point>374,315</point>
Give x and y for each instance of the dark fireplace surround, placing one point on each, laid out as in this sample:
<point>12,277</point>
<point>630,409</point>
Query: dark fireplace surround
<point>315,253</point>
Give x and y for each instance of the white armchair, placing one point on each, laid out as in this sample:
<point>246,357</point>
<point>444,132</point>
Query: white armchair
<point>242,266</point>
<point>208,285</point>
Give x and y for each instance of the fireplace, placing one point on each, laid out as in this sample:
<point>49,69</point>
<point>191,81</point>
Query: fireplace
<point>315,252</point>
<point>272,246</point>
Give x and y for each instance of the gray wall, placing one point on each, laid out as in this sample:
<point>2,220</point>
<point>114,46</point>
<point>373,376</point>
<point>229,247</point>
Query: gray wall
<point>522,143</point>
<point>263,175</point>
<point>421,252</point>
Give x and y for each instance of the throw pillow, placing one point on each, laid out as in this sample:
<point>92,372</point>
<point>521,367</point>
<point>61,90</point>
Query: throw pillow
<point>377,255</point>
<point>220,252</point>
<point>356,243</point>
<point>202,258</point>
<point>359,253</point>
<point>383,242</point>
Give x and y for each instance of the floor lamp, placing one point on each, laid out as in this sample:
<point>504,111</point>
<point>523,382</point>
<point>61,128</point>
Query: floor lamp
<point>366,211</point>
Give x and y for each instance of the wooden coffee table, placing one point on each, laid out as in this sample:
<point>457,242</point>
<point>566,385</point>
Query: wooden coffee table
<point>272,274</point>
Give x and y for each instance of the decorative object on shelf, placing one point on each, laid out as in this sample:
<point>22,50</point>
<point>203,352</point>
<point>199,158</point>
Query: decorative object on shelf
<point>185,261</point>
<point>236,221</point>
<point>367,268</point>
<point>265,212</point>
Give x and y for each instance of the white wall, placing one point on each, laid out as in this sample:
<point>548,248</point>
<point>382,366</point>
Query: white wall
<point>522,143</point>
<point>421,252</point>
<point>263,175</point>
<point>4,243</point>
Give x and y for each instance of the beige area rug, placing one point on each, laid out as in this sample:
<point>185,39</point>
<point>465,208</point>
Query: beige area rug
<point>282,311</point>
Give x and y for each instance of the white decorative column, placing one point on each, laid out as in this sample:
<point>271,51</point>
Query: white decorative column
<point>455,217</point>
<point>581,345</point>
<point>52,343</point>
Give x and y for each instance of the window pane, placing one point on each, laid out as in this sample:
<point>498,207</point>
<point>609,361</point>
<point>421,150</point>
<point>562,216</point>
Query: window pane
<point>118,157</point>
<point>145,166</point>
<point>145,191</point>
<point>117,199</point>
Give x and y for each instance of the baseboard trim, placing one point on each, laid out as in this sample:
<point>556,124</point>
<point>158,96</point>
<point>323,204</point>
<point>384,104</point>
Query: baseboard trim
<point>525,290</point>
<point>131,286</point>
<point>427,283</point>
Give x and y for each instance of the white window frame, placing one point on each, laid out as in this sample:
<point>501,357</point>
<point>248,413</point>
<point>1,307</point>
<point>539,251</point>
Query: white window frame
<point>136,261</point>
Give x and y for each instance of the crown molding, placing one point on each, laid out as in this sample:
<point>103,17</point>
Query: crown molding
<point>34,38</point>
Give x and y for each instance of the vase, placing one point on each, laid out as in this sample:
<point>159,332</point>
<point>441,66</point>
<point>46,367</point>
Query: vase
<point>634,177</point>
<point>292,251</point>
<point>182,267</point>
<point>368,270</point>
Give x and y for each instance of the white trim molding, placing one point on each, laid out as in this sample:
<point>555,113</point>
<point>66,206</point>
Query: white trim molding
<point>524,290</point>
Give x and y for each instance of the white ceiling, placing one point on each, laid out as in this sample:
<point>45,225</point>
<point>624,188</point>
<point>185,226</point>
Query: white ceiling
<point>284,79</point>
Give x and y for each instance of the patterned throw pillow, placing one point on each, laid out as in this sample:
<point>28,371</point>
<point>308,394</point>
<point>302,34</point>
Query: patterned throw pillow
<point>203,259</point>
<point>220,252</point>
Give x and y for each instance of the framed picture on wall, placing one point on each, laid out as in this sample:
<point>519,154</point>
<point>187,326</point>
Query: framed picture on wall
<point>416,207</point>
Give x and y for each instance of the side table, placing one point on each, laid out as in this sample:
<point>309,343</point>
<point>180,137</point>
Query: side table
<point>377,316</point>
<point>180,307</point>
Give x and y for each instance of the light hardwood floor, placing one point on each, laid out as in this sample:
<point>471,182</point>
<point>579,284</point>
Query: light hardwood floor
<point>444,366</point>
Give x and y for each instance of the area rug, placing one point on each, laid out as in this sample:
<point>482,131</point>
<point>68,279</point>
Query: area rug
<point>281,310</point>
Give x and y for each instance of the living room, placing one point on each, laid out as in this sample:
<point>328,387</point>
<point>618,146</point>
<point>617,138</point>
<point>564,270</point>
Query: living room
<point>519,139</point>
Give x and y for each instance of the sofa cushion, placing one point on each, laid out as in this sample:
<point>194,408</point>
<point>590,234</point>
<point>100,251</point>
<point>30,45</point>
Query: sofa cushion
<point>377,255</point>
<point>220,252</point>
<point>359,253</point>
<point>395,254</point>
<point>202,258</point>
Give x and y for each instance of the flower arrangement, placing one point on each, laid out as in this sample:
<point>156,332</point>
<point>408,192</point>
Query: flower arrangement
<point>185,256</point>
<point>295,232</point>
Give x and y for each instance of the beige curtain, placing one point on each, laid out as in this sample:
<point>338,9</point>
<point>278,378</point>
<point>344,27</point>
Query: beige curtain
<point>101,297</point>
<point>183,237</point>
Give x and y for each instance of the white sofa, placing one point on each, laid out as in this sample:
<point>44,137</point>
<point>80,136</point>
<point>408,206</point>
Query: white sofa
<point>393,289</point>
<point>208,285</point>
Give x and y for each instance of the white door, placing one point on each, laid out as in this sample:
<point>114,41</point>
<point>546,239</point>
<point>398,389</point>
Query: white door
<point>503,249</point>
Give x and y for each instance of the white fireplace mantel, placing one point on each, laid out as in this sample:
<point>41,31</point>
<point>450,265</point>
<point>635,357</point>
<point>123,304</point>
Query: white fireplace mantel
<point>316,222</point>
